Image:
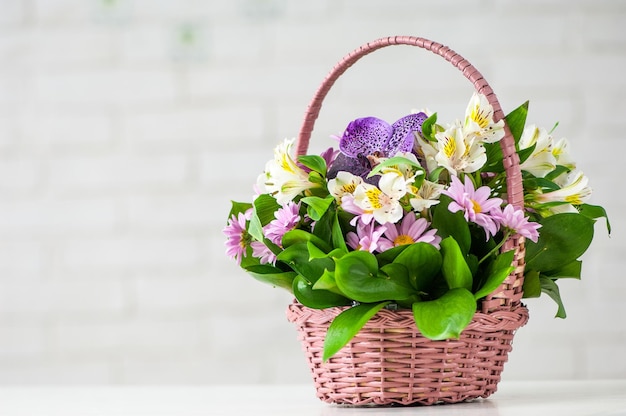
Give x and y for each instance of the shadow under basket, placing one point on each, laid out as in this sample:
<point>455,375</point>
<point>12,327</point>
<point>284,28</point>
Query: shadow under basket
<point>389,362</point>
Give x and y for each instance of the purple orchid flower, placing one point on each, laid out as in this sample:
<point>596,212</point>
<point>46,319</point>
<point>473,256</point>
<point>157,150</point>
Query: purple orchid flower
<point>371,136</point>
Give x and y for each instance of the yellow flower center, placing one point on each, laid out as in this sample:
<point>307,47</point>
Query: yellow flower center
<point>479,117</point>
<point>245,240</point>
<point>450,147</point>
<point>373,195</point>
<point>285,164</point>
<point>403,239</point>
<point>573,199</point>
<point>477,208</point>
<point>348,188</point>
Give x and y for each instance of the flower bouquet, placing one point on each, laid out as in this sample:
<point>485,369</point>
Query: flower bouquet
<point>418,218</point>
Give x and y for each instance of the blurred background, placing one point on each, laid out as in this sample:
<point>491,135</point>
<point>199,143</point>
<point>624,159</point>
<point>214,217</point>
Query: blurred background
<point>127,126</point>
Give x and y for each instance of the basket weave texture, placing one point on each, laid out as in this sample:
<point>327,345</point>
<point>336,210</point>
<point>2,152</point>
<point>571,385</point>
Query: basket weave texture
<point>389,362</point>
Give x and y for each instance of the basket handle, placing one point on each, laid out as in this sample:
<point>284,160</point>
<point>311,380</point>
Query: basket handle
<point>515,194</point>
<point>509,294</point>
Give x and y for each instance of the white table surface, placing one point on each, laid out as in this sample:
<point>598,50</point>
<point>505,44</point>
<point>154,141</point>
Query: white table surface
<point>570,398</point>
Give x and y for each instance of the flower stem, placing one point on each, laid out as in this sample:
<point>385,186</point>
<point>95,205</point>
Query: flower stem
<point>497,247</point>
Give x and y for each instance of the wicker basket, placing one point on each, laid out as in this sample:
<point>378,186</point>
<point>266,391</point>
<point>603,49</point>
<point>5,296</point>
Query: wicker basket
<point>389,361</point>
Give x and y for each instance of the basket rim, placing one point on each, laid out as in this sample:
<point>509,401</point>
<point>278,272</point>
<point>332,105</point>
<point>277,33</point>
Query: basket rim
<point>501,319</point>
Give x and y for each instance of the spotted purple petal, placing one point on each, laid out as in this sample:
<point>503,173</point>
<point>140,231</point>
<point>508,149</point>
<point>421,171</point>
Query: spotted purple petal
<point>358,166</point>
<point>403,129</point>
<point>365,136</point>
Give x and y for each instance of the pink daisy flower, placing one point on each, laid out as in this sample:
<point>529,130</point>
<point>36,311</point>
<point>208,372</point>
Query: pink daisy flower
<point>475,204</point>
<point>410,230</point>
<point>514,220</point>
<point>237,237</point>
<point>287,218</point>
<point>366,237</point>
<point>262,252</point>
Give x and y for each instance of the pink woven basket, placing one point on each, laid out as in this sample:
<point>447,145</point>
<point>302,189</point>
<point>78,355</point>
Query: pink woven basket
<point>389,361</point>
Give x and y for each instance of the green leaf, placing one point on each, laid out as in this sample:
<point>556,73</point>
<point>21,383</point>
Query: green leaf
<point>315,252</point>
<point>525,153</point>
<point>357,276</point>
<point>497,272</point>
<point>264,208</point>
<point>346,325</point>
<point>317,206</point>
<point>311,264</point>
<point>423,262</point>
<point>594,212</point>
<point>572,270</point>
<point>298,258</point>
<point>314,162</point>
<point>549,287</point>
<point>238,207</point>
<point>531,182</point>
<point>427,127</point>
<point>556,172</point>
<point>318,179</point>
<point>255,228</point>
<point>390,255</point>
<point>249,260</point>
<point>447,316</point>
<point>494,158</point>
<point>304,290</point>
<point>554,128</point>
<point>472,262</point>
<point>434,175</point>
<point>394,161</point>
<point>272,275</point>
<point>337,237</point>
<point>327,282</point>
<point>454,268</point>
<point>396,271</point>
<point>450,224</point>
<point>323,226</point>
<point>327,279</point>
<point>516,120</point>
<point>532,285</point>
<point>563,238</point>
<point>300,236</point>
<point>337,253</point>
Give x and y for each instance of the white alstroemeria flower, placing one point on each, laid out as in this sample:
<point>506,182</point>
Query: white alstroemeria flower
<point>574,190</point>
<point>393,183</point>
<point>560,151</point>
<point>408,170</point>
<point>479,122</point>
<point>542,161</point>
<point>283,178</point>
<point>426,196</point>
<point>458,155</point>
<point>385,207</point>
<point>427,151</point>
<point>343,184</point>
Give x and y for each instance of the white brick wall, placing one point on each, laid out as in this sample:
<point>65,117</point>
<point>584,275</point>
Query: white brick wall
<point>126,128</point>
